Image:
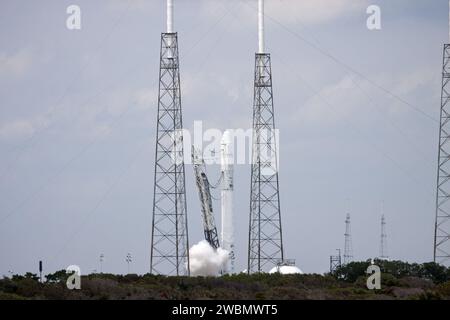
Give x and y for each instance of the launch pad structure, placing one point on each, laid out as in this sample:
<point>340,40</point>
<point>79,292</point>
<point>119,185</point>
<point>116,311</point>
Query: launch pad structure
<point>169,241</point>
<point>441,247</point>
<point>204,192</point>
<point>265,248</point>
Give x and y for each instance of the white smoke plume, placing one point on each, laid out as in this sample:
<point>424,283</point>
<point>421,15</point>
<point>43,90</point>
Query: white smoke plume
<point>205,261</point>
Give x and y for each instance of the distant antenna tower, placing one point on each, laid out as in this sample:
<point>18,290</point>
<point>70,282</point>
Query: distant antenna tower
<point>128,259</point>
<point>383,244</point>
<point>348,248</point>
<point>441,250</point>
<point>265,249</point>
<point>169,243</point>
<point>40,271</point>
<point>102,258</point>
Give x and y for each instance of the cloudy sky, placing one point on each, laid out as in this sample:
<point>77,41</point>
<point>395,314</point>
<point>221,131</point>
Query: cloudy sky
<point>357,111</point>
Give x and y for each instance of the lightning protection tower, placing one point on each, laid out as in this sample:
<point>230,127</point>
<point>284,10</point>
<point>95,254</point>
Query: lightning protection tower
<point>383,242</point>
<point>441,249</point>
<point>348,248</point>
<point>265,249</point>
<point>169,244</point>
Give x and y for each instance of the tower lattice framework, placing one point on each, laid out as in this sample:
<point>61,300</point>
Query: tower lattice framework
<point>169,243</point>
<point>348,246</point>
<point>383,242</point>
<point>265,234</point>
<point>441,252</point>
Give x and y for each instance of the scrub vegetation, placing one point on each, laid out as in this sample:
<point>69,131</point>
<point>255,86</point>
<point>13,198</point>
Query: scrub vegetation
<point>399,280</point>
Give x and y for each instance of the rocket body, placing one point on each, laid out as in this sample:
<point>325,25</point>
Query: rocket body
<point>227,229</point>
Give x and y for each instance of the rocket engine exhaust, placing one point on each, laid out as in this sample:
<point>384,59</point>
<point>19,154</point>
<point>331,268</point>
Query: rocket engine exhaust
<point>207,261</point>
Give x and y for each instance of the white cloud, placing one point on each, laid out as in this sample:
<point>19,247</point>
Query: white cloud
<point>15,65</point>
<point>16,130</point>
<point>414,80</point>
<point>146,98</point>
<point>23,128</point>
<point>312,11</point>
<point>98,118</point>
<point>308,12</point>
<point>341,98</point>
<point>119,5</point>
<point>354,100</point>
<point>88,120</point>
<point>193,83</point>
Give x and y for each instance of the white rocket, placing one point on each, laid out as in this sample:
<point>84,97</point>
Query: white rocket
<point>226,190</point>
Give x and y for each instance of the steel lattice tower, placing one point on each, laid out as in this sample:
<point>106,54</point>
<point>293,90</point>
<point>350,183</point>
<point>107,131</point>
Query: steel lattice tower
<point>383,240</point>
<point>265,243</point>
<point>335,261</point>
<point>265,249</point>
<point>441,252</point>
<point>169,247</point>
<point>348,248</point>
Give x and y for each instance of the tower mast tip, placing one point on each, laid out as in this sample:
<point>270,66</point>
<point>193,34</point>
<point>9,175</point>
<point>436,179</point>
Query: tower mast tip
<point>169,16</point>
<point>261,26</point>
